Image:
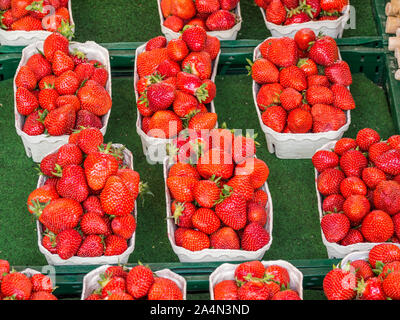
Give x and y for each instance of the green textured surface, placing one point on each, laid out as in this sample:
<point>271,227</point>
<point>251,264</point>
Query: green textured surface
<point>234,105</point>
<point>140,20</point>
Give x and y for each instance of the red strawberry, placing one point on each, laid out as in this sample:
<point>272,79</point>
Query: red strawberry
<point>386,197</point>
<point>181,188</point>
<point>67,83</point>
<point>41,282</point>
<point>232,211</point>
<point>344,145</point>
<point>339,284</point>
<point>115,197</point>
<point>372,176</point>
<point>68,243</point>
<point>206,193</point>
<point>376,149</point>
<point>339,73</point>
<point>356,207</point>
<point>27,23</point>
<point>207,6</point>
<point>275,12</point>
<point>377,226</point>
<point>254,237</point>
<point>256,169</point>
<point>353,236</point>
<point>48,98</point>
<point>318,80</point>
<point>85,118</point>
<point>138,281</point>
<point>253,269</point>
<point>225,238</point>
<point>215,162</point>
<point>26,78</point>
<point>26,101</point>
<point>221,20</point>
<point>333,203</point>
<point>384,253</point>
<point>254,290</point>
<point>195,38</point>
<point>60,121</point>
<point>324,159</point>
<point>391,285</point>
<point>329,180</point>
<point>195,240</point>
<point>324,51</point>
<point>124,226</point>
<point>206,220</point>
<point>283,52</point>
<point>92,246</point>
<point>156,42</point>
<point>299,121</point>
<point>275,118</point>
<point>303,37</point>
<point>352,185</point>
<point>286,295</point>
<point>56,41</point>
<point>174,23</point>
<point>343,98</point>
<point>16,285</point>
<point>353,162</point>
<point>293,77</point>
<point>72,183</point>
<point>226,290</point>
<point>33,125</point>
<point>290,99</point>
<point>319,95</point>
<point>62,62</point>
<point>278,274</point>
<point>95,98</point>
<point>335,226</point>
<point>389,162</point>
<point>164,289</point>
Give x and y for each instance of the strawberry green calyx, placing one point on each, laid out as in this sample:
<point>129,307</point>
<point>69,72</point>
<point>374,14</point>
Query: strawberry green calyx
<point>144,190</point>
<point>37,208</point>
<point>308,9</point>
<point>58,171</point>
<point>226,192</point>
<point>202,93</point>
<point>179,209</point>
<point>35,6</point>
<point>189,116</point>
<point>66,29</point>
<point>79,54</point>
<point>156,77</point>
<point>249,68</point>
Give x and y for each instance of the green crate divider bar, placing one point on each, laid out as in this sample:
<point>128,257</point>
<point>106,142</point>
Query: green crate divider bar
<point>378,8</point>
<point>392,87</point>
<point>69,278</point>
<point>232,60</point>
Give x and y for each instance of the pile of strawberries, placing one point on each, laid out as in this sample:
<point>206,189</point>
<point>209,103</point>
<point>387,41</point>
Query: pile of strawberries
<point>174,85</point>
<point>59,91</point>
<point>19,286</point>
<point>359,181</point>
<point>212,15</point>
<point>253,281</point>
<point>120,283</point>
<point>287,12</point>
<point>303,84</point>
<point>375,278</point>
<point>35,15</point>
<point>215,187</point>
<point>87,202</point>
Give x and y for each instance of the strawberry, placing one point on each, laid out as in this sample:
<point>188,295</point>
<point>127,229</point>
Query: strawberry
<point>199,64</point>
<point>394,141</point>
<point>67,83</point>
<point>283,52</point>
<point>370,289</point>
<point>26,78</point>
<point>92,204</point>
<point>276,12</point>
<point>194,240</point>
<point>6,19</point>
<point>353,236</point>
<point>49,242</point>
<point>384,253</point>
<point>226,290</point>
<point>48,98</point>
<point>62,62</point>
<point>148,61</point>
<point>389,162</point>
<point>376,149</point>
<point>124,226</point>
<point>33,125</point>
<point>286,295</point>
<point>308,66</point>
<point>131,178</point>
<point>353,162</point>
<point>56,41</point>
<point>115,245</point>
<point>110,285</point>
<point>43,295</point>
<point>94,98</point>
<point>386,197</point>
<point>342,97</point>
<point>278,274</point>
<point>318,80</point>
<point>41,282</point>
<point>85,118</point>
<point>352,185</point>
<point>60,121</point>
<point>203,121</point>
<point>41,195</point>
<point>256,213</point>
<point>256,169</point>
<point>164,289</point>
<point>183,213</point>
<point>319,95</point>
<point>27,23</point>
<point>212,46</point>
<point>68,243</point>
<point>26,101</point>
<point>156,42</point>
<point>92,223</point>
<point>40,66</point>
<point>92,246</point>
<point>339,284</point>
<point>254,237</point>
<point>177,50</point>
<point>215,162</point>
<point>330,5</point>
<point>181,188</point>
<point>275,117</point>
<point>206,192</point>
<point>324,159</point>
<point>90,139</point>
<point>377,226</point>
<point>183,169</point>
<point>290,99</point>
<point>205,220</point>
<point>207,6</point>
<point>339,73</point>
<point>335,226</point>
<point>168,68</point>
<point>356,207</point>
<point>225,238</point>
<point>16,285</point>
<point>300,17</point>
<point>329,181</point>
<point>72,183</point>
<point>221,20</point>
<point>333,203</point>
<point>362,269</point>
<point>245,270</point>
<point>69,154</point>
<point>372,176</point>
<point>48,164</point>
<point>164,124</point>
<point>303,37</point>
<point>324,51</point>
<point>241,186</point>
<point>263,71</point>
<point>195,38</point>
<point>254,290</point>
<point>84,71</point>
<point>116,271</point>
<point>116,198</point>
<point>232,211</point>
<point>299,121</point>
<point>391,286</point>
<point>345,144</point>
<point>174,23</point>
<point>293,77</point>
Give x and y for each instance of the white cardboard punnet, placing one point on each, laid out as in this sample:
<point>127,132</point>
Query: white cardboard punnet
<point>36,147</point>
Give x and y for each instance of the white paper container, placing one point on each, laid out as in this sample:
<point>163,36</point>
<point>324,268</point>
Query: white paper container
<point>290,145</point>
<point>154,148</point>
<point>210,255</point>
<point>24,38</point>
<point>230,34</point>
<point>54,259</point>
<point>334,250</point>
<point>226,271</point>
<point>90,280</point>
<point>36,147</point>
<point>332,28</point>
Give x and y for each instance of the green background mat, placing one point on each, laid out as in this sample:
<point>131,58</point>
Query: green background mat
<point>296,231</point>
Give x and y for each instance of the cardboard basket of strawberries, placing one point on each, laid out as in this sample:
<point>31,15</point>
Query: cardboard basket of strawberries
<point>140,282</point>
<point>299,107</point>
<point>220,18</point>
<point>174,83</point>
<point>86,205</point>
<point>60,86</point>
<point>28,284</point>
<point>373,274</point>
<point>27,21</point>
<point>219,209</point>
<point>284,18</point>
<point>357,187</point>
<point>256,280</point>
